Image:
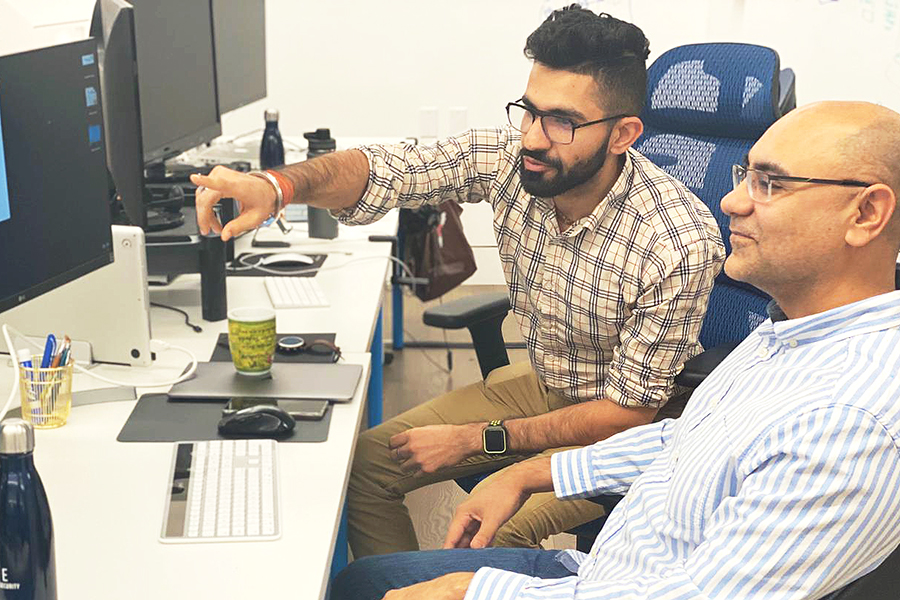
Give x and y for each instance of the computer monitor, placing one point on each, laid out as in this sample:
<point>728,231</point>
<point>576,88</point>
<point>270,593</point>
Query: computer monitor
<point>113,28</point>
<point>176,76</point>
<point>54,215</point>
<point>239,35</point>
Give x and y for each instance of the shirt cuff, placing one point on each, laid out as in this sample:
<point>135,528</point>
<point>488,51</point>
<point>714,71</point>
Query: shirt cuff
<point>571,471</point>
<point>376,199</point>
<point>495,584</point>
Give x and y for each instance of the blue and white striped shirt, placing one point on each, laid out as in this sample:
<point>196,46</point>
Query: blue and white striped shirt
<point>781,480</point>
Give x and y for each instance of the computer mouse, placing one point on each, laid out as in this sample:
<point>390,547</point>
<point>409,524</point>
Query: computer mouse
<point>287,259</point>
<point>259,421</point>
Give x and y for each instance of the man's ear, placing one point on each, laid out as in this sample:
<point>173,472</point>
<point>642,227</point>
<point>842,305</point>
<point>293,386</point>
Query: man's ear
<point>624,134</point>
<point>875,206</point>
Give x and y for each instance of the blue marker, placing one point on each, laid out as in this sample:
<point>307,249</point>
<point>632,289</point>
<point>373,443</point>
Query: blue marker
<point>49,351</point>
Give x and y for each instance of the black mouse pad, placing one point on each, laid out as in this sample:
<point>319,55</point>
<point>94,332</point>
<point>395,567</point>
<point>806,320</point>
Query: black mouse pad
<point>156,419</point>
<point>239,266</point>
<point>316,354</point>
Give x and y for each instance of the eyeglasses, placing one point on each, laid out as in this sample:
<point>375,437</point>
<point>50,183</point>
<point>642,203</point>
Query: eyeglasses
<point>761,185</point>
<point>559,130</point>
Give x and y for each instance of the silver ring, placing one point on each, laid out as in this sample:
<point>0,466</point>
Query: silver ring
<point>200,189</point>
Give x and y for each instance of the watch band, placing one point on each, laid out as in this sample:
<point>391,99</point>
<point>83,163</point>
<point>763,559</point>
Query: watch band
<point>279,195</point>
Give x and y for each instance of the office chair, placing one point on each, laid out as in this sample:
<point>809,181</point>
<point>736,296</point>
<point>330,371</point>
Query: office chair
<point>706,106</point>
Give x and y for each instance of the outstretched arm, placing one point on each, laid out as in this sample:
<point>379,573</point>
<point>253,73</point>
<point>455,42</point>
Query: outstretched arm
<point>334,181</point>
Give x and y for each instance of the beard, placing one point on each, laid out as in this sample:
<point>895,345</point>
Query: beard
<point>563,179</point>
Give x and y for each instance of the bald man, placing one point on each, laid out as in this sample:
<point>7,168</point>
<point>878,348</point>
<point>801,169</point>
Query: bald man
<point>782,477</point>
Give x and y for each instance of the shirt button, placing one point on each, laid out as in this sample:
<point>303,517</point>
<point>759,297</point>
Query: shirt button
<point>763,351</point>
<point>792,343</point>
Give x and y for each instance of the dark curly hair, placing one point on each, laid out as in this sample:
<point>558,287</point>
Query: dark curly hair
<point>612,51</point>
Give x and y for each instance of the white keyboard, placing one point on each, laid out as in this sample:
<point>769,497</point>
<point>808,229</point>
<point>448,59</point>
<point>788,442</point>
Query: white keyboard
<point>295,292</point>
<point>221,491</point>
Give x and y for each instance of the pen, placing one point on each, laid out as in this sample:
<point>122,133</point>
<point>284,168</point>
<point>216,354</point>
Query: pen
<point>62,350</point>
<point>49,349</point>
<point>66,349</point>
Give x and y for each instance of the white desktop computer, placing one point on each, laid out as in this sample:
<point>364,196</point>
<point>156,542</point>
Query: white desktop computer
<point>56,243</point>
<point>107,309</point>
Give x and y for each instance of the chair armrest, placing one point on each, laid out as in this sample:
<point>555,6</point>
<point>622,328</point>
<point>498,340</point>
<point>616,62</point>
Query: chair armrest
<point>467,311</point>
<point>696,369</point>
<point>483,315</point>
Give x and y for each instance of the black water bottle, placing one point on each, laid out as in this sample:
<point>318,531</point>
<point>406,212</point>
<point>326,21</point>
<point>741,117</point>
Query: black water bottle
<point>27,564</point>
<point>271,151</point>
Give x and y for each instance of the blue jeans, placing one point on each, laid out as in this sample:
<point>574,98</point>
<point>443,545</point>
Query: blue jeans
<point>370,578</point>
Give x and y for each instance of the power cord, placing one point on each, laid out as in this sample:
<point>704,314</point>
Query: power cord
<point>245,266</point>
<point>155,346</point>
<point>187,317</point>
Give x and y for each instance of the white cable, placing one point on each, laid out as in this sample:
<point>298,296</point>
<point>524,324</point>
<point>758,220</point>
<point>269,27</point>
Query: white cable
<point>15,388</point>
<point>161,345</point>
<point>247,267</point>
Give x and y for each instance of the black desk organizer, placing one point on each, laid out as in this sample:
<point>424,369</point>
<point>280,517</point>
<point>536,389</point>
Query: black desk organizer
<point>237,268</point>
<point>157,419</point>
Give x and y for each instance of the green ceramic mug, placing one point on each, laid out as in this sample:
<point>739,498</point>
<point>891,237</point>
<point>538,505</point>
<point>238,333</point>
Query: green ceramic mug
<point>251,338</point>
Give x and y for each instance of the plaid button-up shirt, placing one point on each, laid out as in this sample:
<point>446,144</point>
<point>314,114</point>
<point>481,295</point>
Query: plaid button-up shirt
<point>612,306</point>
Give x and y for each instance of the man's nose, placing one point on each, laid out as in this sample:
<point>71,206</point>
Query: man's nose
<point>535,138</point>
<point>737,201</point>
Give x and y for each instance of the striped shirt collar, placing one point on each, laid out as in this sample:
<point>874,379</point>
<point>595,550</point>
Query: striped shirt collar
<point>865,316</point>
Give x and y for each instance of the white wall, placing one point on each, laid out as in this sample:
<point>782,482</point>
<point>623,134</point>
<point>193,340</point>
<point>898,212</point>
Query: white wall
<point>366,68</point>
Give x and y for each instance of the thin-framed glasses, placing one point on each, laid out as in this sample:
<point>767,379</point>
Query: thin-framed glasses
<point>559,130</point>
<point>761,185</point>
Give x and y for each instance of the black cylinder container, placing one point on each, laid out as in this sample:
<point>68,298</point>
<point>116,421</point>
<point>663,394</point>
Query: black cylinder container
<point>271,150</point>
<point>27,563</point>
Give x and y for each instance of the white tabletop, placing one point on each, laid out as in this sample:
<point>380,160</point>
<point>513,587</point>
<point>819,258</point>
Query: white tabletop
<point>353,279</point>
<point>107,501</point>
<point>107,498</point>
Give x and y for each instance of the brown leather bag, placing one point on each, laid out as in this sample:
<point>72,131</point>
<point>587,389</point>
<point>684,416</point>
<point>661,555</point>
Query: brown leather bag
<point>435,247</point>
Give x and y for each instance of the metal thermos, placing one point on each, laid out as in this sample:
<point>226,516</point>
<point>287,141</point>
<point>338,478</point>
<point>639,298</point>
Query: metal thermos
<point>321,223</point>
<point>271,150</point>
<point>27,563</point>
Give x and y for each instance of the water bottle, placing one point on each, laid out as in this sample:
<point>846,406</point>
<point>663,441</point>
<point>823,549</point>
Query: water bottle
<point>271,150</point>
<point>321,223</point>
<point>27,564</point>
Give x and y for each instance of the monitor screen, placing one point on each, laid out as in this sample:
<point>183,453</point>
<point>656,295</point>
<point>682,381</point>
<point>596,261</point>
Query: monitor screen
<point>113,27</point>
<point>54,212</point>
<point>239,32</point>
<point>176,75</point>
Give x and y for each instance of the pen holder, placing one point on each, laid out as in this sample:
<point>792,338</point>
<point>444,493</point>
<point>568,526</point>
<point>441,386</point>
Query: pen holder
<point>46,394</point>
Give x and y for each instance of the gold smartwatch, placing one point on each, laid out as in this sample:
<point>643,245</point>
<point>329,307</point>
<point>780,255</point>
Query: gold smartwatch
<point>493,438</point>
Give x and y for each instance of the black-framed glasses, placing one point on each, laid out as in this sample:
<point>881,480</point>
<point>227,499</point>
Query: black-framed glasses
<point>559,130</point>
<point>761,185</point>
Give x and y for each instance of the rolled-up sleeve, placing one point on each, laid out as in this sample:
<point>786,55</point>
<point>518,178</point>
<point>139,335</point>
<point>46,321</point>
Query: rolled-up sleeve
<point>662,330</point>
<point>459,168</point>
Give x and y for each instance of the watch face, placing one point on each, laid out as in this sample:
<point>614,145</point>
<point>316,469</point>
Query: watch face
<point>494,440</point>
<point>290,344</point>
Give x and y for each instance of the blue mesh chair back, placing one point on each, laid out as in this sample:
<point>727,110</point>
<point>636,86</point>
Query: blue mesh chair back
<point>706,106</point>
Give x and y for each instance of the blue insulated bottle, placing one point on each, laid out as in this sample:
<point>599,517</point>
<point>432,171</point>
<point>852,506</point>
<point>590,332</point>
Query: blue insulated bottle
<point>27,566</point>
<point>271,150</point>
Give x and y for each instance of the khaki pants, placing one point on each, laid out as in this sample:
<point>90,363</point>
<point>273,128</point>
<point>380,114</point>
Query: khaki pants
<point>378,521</point>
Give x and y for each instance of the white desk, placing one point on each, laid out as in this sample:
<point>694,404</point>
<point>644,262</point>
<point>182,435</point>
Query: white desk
<point>107,502</point>
<point>107,498</point>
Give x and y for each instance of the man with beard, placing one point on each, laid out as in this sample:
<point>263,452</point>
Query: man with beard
<point>609,262</point>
